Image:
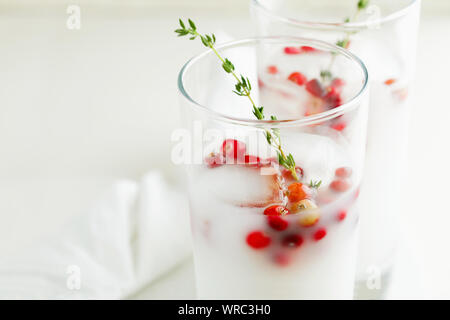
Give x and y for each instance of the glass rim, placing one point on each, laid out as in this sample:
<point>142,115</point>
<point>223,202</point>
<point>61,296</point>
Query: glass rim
<point>303,121</point>
<point>338,25</point>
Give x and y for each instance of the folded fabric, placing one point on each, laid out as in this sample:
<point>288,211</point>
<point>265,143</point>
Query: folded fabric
<point>132,235</point>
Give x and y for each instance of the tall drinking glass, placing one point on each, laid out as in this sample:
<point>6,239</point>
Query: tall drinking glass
<point>258,232</point>
<point>383,34</point>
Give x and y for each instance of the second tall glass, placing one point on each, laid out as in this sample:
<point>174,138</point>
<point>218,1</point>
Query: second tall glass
<point>384,35</point>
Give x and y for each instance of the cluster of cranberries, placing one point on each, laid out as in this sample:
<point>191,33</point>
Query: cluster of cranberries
<point>329,94</point>
<point>281,231</point>
<point>288,234</point>
<point>299,196</point>
<point>287,240</point>
<point>234,152</point>
<point>299,50</point>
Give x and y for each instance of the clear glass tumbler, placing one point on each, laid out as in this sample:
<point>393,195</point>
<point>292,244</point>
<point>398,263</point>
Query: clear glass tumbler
<point>258,232</point>
<point>384,35</point>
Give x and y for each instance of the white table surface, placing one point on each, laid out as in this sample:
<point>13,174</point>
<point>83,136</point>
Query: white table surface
<point>80,109</point>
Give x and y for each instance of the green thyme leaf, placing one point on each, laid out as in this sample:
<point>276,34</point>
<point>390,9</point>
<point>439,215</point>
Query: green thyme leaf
<point>362,4</point>
<point>228,66</point>
<point>326,75</point>
<point>343,43</point>
<point>315,184</point>
<point>192,24</point>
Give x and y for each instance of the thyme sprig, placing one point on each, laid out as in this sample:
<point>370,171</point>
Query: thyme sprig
<point>345,42</point>
<point>361,5</point>
<point>242,88</point>
<point>315,184</point>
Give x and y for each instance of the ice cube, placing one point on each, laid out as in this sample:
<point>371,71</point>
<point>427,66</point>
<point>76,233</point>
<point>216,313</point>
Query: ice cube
<point>243,185</point>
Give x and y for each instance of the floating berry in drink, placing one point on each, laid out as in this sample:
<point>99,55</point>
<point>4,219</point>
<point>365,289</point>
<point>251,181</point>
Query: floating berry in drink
<point>297,78</point>
<point>272,69</point>
<point>287,174</point>
<point>315,88</point>
<point>292,50</point>
<point>252,161</point>
<point>282,259</point>
<point>332,98</point>
<point>309,213</point>
<point>302,205</point>
<point>320,234</point>
<point>340,185</point>
<point>258,240</point>
<point>214,160</point>
<point>233,150</point>
<point>337,83</point>
<point>296,192</point>
<point>339,126</point>
<point>343,172</point>
<point>277,223</point>
<point>356,194</point>
<point>292,241</point>
<point>260,83</point>
<point>308,219</point>
<point>342,215</point>
<point>308,49</point>
<point>389,82</point>
<point>276,210</point>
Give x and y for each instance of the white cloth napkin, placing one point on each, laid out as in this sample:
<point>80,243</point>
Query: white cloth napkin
<point>132,235</point>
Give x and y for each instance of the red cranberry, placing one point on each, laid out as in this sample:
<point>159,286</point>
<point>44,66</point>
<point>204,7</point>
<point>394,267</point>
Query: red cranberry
<point>282,259</point>
<point>258,240</point>
<point>308,49</point>
<point>320,234</point>
<point>356,193</point>
<point>337,83</point>
<point>339,126</point>
<point>292,241</point>
<point>296,192</point>
<point>341,215</point>
<point>277,223</point>
<point>260,83</point>
<point>233,150</point>
<point>252,161</point>
<point>389,82</point>
<point>297,78</point>
<point>332,98</point>
<point>292,50</point>
<point>340,185</point>
<point>276,210</point>
<point>272,69</point>
<point>314,87</point>
<point>343,172</point>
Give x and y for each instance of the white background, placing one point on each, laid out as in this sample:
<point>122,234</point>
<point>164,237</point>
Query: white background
<point>80,109</point>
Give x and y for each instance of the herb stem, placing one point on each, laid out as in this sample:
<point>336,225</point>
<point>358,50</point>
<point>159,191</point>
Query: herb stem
<point>243,88</point>
<point>361,5</point>
<point>247,93</point>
